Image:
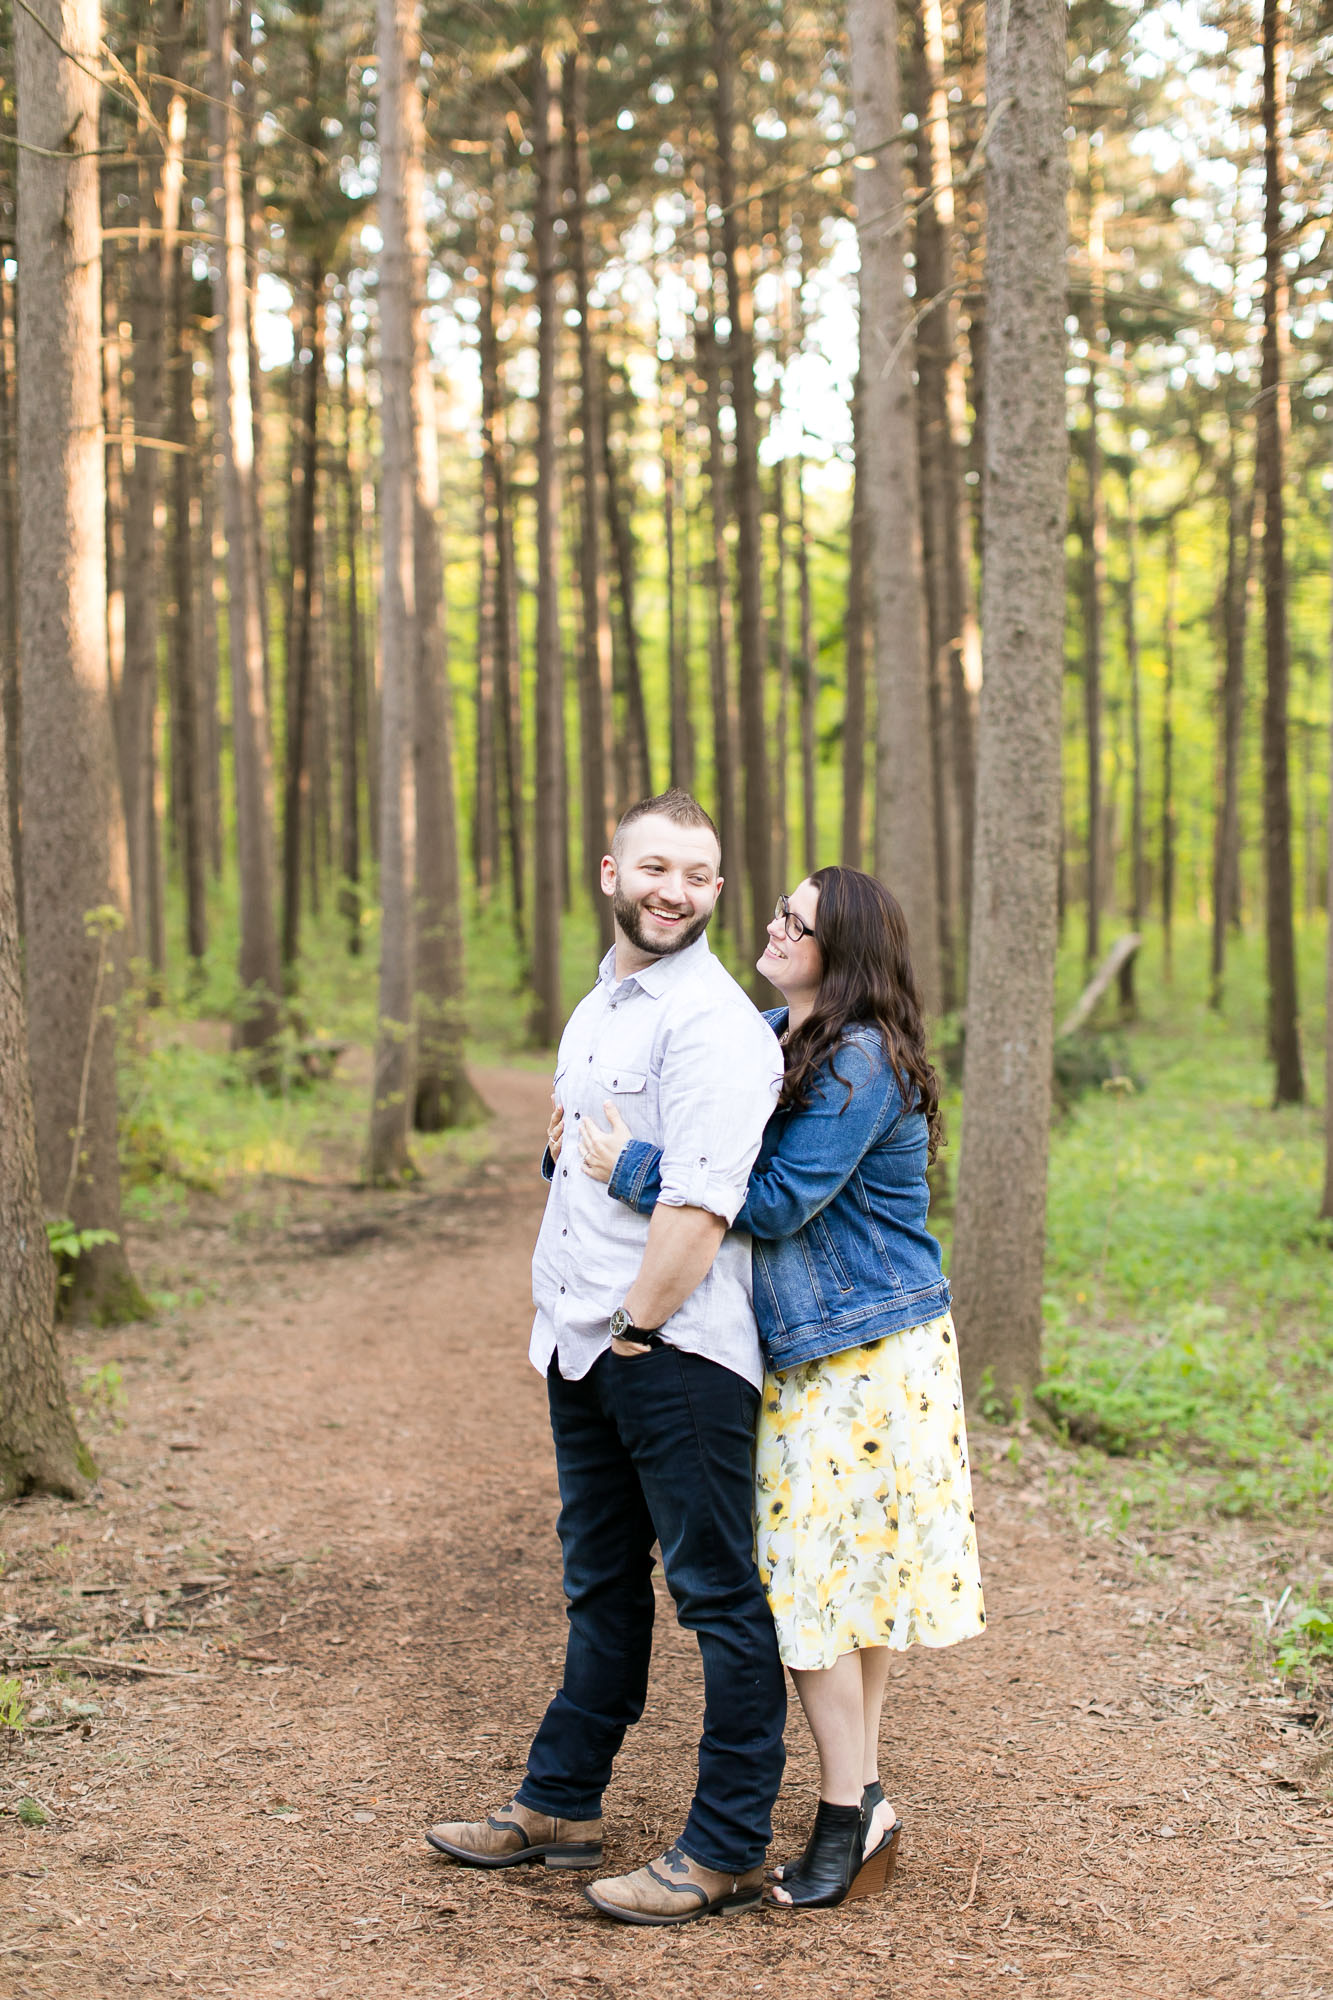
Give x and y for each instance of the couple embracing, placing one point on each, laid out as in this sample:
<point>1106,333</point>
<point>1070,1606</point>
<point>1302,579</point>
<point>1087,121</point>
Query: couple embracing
<point>744,1327</point>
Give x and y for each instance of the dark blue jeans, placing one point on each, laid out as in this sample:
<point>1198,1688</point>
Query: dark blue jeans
<point>661,1447</point>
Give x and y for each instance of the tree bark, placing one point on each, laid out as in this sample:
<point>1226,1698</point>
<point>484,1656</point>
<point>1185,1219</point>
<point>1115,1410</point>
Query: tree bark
<point>595,661</point>
<point>677,592</point>
<point>749,538</point>
<point>392,1089</point>
<point>1326,1206</point>
<point>1241,499</point>
<point>10,693</point>
<point>906,852</point>
<point>1138,895</point>
<point>721,626</point>
<point>260,971</point>
<point>74,837</point>
<point>40,1450</point>
<point>296,814</point>
<point>1273,424</point>
<point>503,639</point>
<point>188,778</point>
<point>999,1237</point>
<point>1094,597</point>
<point>854,649</point>
<point>548,1010</point>
<point>1168,755</point>
<point>637,758</point>
<point>809,679</point>
<point>353,704</point>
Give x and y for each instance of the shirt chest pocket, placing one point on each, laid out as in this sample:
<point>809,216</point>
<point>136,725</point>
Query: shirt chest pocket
<point>618,1080</point>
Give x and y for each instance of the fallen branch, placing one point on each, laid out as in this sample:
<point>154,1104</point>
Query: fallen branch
<point>91,1663</point>
<point>976,1870</point>
<point>1120,954</point>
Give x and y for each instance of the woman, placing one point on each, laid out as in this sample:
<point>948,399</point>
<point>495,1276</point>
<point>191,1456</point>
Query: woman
<point>865,1535</point>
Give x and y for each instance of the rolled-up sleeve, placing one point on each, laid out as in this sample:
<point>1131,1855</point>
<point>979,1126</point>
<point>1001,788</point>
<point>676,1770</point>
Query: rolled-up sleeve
<point>718,1089</point>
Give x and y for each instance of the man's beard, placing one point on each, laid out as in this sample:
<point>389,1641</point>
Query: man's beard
<point>630,918</point>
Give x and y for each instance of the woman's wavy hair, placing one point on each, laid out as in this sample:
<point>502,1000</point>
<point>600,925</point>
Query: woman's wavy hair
<point>868,976</point>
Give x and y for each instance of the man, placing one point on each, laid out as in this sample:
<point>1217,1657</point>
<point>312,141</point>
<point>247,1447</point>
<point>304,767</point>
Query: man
<point>647,1339</point>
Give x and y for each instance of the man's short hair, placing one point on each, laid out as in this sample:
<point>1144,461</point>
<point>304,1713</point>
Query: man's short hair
<point>676,805</point>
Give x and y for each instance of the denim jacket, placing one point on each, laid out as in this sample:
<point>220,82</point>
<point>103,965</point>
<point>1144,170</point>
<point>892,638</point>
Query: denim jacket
<point>837,1207</point>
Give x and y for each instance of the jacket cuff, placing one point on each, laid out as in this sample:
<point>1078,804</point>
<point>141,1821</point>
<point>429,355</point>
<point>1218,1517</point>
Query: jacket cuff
<point>638,1163</point>
<point>548,1165</point>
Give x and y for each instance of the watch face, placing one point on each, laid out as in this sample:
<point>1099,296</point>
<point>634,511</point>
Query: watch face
<point>620,1322</point>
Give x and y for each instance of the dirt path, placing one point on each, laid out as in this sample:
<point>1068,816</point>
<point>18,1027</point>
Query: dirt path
<point>332,1508</point>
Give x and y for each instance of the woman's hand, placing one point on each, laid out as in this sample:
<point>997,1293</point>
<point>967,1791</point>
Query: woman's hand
<point>555,1130</point>
<point>600,1150</point>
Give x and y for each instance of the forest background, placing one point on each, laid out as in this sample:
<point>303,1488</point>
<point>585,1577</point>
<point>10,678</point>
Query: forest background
<point>458,432</point>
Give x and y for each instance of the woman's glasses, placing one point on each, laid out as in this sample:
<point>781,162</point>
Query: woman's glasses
<point>795,927</point>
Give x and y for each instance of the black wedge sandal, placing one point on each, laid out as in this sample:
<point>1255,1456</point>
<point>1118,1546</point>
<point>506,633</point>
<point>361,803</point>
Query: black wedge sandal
<point>872,1796</point>
<point>834,1869</point>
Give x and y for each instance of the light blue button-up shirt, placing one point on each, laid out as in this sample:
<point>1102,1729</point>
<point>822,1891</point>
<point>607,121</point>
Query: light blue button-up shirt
<point>691,1065</point>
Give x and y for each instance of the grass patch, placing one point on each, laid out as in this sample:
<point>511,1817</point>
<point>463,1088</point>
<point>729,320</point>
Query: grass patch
<point>1189,1307</point>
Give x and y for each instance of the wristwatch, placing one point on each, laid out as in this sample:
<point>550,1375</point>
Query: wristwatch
<point>623,1328</point>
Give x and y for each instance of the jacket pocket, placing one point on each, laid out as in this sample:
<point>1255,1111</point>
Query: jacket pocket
<point>822,1238</point>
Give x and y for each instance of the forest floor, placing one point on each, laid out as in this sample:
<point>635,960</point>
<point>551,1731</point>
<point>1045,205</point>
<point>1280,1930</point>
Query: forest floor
<point>325,1522</point>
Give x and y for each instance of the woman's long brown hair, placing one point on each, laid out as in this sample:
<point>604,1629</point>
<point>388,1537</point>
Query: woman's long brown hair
<point>868,976</point>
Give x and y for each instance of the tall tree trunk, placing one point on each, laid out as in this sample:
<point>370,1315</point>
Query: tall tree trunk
<point>854,645</point>
<point>392,1089</point>
<point>10,695</point>
<point>905,828</point>
<point>39,1446</point>
<point>809,679</point>
<point>1241,499</point>
<point>152,274</point>
<point>1094,597</point>
<point>999,1239</point>
<point>549,845</point>
<point>353,704</point>
<point>444,1095</point>
<point>260,971</point>
<point>638,762</point>
<point>721,627</point>
<point>1273,423</point>
<point>1138,894</point>
<point>1168,754</point>
<point>749,538</point>
<point>206,487</point>
<point>301,625</point>
<point>596,663</point>
<point>1326,1206</point>
<point>674,521</point>
<point>74,875</point>
<point>781,670</point>
<point>188,778</point>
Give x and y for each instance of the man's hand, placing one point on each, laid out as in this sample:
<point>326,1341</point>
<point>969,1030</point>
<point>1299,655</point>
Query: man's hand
<point>555,1130</point>
<point>682,1243</point>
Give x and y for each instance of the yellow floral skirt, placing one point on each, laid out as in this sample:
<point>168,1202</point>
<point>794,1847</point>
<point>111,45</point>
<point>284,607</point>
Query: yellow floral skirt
<point>865,1534</point>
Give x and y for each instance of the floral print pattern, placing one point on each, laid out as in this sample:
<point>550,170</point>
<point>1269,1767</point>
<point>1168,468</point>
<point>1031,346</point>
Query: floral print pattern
<point>865,1534</point>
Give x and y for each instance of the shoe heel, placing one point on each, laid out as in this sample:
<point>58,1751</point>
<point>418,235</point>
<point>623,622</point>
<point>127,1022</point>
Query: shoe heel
<point>737,1904</point>
<point>574,1854</point>
<point>877,1870</point>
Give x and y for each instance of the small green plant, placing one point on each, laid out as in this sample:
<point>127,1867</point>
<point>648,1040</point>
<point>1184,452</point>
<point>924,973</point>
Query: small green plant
<point>68,1243</point>
<point>104,1391</point>
<point>1306,1650</point>
<point>13,1708</point>
<point>30,1813</point>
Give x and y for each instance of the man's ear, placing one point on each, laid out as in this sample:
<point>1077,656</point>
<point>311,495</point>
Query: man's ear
<point>608,874</point>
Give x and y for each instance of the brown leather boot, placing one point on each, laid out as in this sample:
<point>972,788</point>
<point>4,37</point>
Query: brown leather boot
<point>675,1890</point>
<point>515,1833</point>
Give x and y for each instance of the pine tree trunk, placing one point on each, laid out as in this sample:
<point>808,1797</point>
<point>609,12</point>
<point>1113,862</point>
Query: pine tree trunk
<point>781,670</point>
<point>1326,1206</point>
<point>637,759</point>
<point>485,777</point>
<point>73,833</point>
<point>392,1090</point>
<point>1168,884</point>
<point>39,1447</point>
<point>1094,597</point>
<point>1273,423</point>
<point>353,703</point>
<point>749,538</point>
<point>296,811</point>
<point>809,679</point>
<point>152,274</point>
<point>721,628</point>
<point>203,512</point>
<point>999,1239</point>
<point>10,699</point>
<point>1138,896</point>
<point>549,845</point>
<point>188,776</point>
<point>260,971</point>
<point>1235,605</point>
<point>854,645</point>
<point>596,665</point>
<point>674,523</point>
<point>444,1094</point>
<point>906,853</point>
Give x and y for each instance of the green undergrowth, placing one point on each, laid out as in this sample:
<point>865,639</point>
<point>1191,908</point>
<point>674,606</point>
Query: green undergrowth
<point>1189,1306</point>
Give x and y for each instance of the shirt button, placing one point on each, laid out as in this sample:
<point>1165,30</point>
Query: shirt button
<point>562,1288</point>
<point>614,1081</point>
<point>577,1116</point>
<point>564,1173</point>
<point>564,1232</point>
<point>589,1058</point>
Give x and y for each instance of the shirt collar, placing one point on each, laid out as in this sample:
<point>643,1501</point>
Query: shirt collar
<point>657,976</point>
